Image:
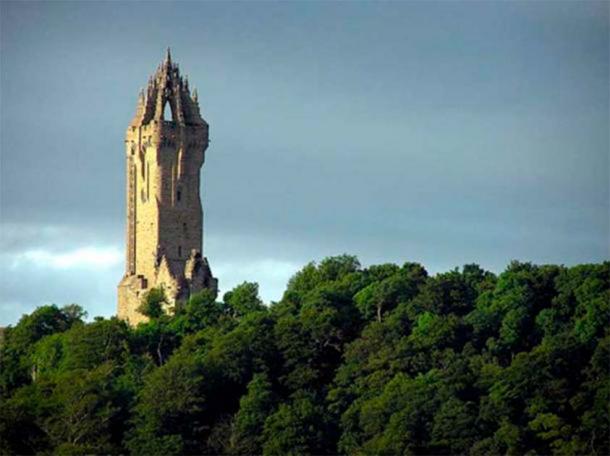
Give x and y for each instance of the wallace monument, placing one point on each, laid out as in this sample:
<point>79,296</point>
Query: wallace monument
<point>165,149</point>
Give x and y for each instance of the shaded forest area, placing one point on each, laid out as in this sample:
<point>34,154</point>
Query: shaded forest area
<point>379,360</point>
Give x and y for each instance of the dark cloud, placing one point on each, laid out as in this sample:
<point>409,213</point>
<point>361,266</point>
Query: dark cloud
<point>440,133</point>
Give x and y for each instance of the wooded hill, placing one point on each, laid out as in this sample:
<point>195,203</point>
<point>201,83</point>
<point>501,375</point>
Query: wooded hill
<point>379,360</point>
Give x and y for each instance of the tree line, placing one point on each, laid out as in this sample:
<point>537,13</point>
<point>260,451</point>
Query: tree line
<point>382,360</point>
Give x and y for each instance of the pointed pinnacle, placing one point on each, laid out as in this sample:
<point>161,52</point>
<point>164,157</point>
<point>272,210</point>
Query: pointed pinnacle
<point>168,57</point>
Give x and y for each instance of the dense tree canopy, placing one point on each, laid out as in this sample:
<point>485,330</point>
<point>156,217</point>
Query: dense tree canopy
<point>380,360</point>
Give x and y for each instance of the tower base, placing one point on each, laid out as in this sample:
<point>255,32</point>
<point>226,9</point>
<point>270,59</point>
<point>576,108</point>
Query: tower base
<point>177,286</point>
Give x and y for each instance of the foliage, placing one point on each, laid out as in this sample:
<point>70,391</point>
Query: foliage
<point>254,408</point>
<point>378,360</point>
<point>243,299</point>
<point>153,303</point>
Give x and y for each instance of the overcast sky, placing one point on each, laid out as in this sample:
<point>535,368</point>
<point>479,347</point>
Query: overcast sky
<point>443,133</point>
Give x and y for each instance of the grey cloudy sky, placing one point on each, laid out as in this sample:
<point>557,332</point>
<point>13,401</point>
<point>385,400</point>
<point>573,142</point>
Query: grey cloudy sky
<point>439,132</point>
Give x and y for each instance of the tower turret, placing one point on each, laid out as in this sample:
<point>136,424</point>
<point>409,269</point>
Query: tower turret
<point>165,149</point>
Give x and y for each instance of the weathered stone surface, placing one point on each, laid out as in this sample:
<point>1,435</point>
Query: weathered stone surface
<point>164,214</point>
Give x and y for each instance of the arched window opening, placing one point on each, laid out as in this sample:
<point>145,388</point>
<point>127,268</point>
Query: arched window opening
<point>184,227</point>
<point>167,112</point>
<point>178,195</point>
<point>179,251</point>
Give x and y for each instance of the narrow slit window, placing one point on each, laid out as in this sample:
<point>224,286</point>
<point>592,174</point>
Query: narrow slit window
<point>179,251</point>
<point>178,195</point>
<point>147,180</point>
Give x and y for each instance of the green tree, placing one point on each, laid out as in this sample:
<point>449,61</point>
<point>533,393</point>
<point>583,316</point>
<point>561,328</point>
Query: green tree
<point>83,411</point>
<point>168,413</point>
<point>254,408</point>
<point>381,360</point>
<point>200,311</point>
<point>153,303</point>
<point>243,299</point>
<point>18,342</point>
<point>296,428</point>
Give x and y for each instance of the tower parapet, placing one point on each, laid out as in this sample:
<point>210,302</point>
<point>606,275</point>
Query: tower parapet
<point>164,214</point>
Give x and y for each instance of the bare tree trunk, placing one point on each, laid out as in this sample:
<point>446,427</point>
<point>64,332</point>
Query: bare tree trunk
<point>159,353</point>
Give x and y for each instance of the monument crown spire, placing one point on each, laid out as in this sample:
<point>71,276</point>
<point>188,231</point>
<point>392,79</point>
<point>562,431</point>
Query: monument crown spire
<point>167,86</point>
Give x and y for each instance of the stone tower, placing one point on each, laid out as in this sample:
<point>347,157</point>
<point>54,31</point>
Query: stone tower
<point>165,146</point>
